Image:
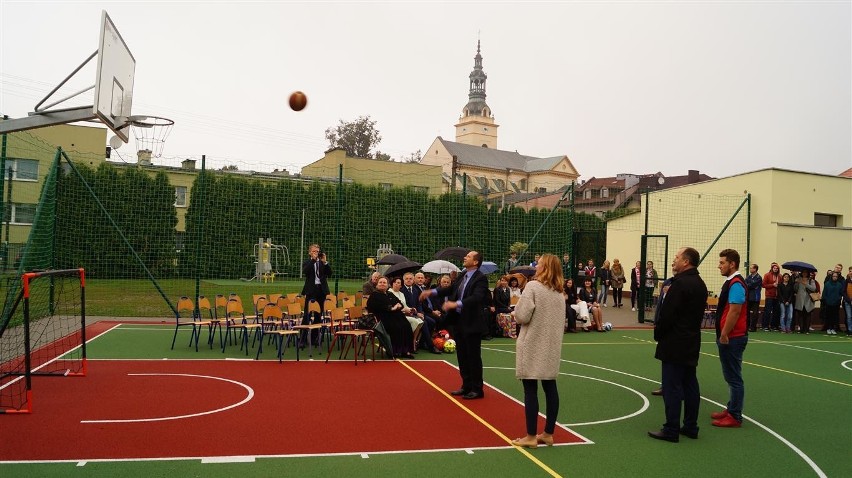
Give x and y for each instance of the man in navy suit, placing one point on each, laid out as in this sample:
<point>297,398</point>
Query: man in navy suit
<point>467,296</point>
<point>316,271</point>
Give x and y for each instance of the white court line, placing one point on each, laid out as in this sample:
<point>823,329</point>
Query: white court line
<point>248,397</point>
<point>845,363</point>
<point>645,403</point>
<point>783,440</point>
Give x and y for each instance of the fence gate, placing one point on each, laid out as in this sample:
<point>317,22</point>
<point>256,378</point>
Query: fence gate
<point>655,250</point>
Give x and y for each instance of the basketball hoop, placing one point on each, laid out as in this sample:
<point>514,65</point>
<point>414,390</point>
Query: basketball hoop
<point>151,133</point>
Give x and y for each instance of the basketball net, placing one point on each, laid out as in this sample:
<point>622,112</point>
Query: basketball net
<point>150,133</point>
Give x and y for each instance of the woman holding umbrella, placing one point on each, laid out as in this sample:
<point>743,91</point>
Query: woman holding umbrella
<point>803,303</point>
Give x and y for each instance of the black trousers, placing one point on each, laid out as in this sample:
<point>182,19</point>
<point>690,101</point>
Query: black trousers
<point>469,353</point>
<point>319,297</point>
<point>680,385</point>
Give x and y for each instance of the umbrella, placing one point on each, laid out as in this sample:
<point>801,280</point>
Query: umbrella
<point>391,259</point>
<point>488,267</point>
<point>440,267</point>
<point>452,253</point>
<point>402,268</point>
<point>528,271</point>
<point>799,266</point>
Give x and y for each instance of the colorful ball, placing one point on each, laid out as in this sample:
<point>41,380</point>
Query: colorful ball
<point>450,346</point>
<point>298,101</point>
<point>444,334</point>
<point>438,342</point>
<point>607,326</point>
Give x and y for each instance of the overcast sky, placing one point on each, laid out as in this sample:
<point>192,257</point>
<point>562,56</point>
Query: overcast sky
<point>723,87</point>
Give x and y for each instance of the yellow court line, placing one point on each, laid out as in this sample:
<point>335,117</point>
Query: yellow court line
<point>508,440</point>
<point>786,371</point>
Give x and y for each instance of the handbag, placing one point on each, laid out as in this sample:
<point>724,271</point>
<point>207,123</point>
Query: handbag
<point>366,322</point>
<point>815,296</point>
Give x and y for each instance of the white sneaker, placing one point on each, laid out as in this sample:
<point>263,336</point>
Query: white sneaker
<point>633,309</point>
<point>829,332</point>
<point>604,305</point>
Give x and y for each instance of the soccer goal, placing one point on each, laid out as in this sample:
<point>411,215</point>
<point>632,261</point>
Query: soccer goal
<point>43,334</point>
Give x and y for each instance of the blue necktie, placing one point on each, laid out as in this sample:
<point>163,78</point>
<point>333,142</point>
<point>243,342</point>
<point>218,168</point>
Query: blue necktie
<point>463,284</point>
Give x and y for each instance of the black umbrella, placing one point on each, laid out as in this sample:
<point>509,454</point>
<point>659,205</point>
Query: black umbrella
<point>528,271</point>
<point>391,259</point>
<point>402,268</point>
<point>452,253</point>
<point>799,266</point>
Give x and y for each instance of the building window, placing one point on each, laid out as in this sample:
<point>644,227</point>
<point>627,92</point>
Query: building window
<point>421,189</point>
<point>604,192</point>
<point>523,184</point>
<point>587,194</point>
<point>385,186</point>
<point>826,220</point>
<point>22,169</point>
<point>20,213</point>
<point>180,196</point>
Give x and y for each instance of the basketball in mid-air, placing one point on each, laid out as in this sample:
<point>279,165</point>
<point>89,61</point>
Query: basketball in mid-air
<point>298,101</point>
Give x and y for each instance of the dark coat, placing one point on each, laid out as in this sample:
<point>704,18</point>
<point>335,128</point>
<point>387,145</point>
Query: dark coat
<point>502,300</point>
<point>476,296</point>
<point>678,330</point>
<point>311,289</point>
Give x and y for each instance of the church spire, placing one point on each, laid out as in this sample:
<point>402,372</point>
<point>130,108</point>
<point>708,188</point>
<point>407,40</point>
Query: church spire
<point>476,105</point>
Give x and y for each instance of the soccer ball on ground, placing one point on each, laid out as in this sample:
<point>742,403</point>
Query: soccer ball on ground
<point>607,326</point>
<point>450,346</point>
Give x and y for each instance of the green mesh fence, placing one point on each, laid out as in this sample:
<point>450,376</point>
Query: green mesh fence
<point>147,235</point>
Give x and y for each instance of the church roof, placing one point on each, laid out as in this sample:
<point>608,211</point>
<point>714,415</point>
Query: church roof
<point>497,159</point>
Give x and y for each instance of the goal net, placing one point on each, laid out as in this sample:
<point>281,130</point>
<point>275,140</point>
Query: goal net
<point>44,334</point>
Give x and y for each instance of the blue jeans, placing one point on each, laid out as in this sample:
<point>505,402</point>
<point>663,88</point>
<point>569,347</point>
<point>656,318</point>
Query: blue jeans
<point>786,316</point>
<point>731,357</point>
<point>847,306</point>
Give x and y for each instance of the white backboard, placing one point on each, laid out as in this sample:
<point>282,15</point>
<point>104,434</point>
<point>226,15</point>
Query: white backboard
<point>116,70</point>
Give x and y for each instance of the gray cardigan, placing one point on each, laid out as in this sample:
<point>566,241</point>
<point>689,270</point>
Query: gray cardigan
<point>802,292</point>
<point>541,314</point>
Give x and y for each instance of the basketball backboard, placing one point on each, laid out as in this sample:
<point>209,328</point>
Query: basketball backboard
<point>113,90</point>
<point>114,80</point>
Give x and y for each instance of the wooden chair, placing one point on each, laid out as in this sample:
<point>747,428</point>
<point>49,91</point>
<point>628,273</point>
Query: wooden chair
<point>292,296</point>
<point>710,313</point>
<point>272,314</point>
<point>204,308</point>
<point>236,320</point>
<point>348,303</point>
<point>187,317</point>
<point>259,303</point>
<point>273,298</point>
<point>351,337</point>
<point>308,329</point>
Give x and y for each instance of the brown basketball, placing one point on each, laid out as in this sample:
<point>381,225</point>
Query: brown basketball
<point>298,101</point>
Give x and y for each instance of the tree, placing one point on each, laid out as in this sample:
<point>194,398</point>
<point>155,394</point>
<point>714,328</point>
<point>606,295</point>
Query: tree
<point>414,157</point>
<point>230,167</point>
<point>358,138</point>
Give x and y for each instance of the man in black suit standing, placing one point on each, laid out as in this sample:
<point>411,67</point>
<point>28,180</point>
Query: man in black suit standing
<point>316,271</point>
<point>467,296</point>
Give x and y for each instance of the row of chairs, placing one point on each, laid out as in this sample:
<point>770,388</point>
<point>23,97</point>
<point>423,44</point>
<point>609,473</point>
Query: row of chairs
<point>279,316</point>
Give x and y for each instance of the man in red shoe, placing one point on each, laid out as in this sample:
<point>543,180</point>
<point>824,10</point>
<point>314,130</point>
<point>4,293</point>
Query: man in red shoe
<point>731,337</point>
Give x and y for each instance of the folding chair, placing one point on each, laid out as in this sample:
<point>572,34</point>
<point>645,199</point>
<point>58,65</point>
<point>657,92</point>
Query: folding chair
<point>272,313</point>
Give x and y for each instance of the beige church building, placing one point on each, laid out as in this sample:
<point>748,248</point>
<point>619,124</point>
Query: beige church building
<point>492,172</point>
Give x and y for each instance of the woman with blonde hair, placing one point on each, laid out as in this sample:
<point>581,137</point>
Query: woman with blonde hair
<point>541,314</point>
<point>617,282</point>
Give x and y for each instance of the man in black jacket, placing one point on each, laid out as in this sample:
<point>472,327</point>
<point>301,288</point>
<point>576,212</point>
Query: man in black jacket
<point>467,296</point>
<point>678,336</point>
<point>316,271</point>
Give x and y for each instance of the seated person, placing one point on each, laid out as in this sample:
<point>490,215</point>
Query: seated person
<point>588,294</point>
<point>410,312</point>
<point>575,309</point>
<point>388,310</point>
<point>514,287</point>
<point>432,305</point>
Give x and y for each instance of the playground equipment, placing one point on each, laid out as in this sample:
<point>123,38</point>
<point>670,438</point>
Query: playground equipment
<point>269,258</point>
<point>382,251</point>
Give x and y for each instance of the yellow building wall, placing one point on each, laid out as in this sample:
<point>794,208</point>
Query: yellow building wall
<point>375,172</point>
<point>781,229</point>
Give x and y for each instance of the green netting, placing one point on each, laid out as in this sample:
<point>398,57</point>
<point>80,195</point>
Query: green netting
<point>147,235</point>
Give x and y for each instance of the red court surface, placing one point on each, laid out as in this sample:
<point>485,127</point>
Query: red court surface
<point>287,409</point>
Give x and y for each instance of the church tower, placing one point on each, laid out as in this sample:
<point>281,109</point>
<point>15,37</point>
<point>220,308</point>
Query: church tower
<point>476,125</point>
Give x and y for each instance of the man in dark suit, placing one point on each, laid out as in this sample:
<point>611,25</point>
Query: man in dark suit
<point>678,336</point>
<point>316,271</point>
<point>411,291</point>
<point>467,296</point>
